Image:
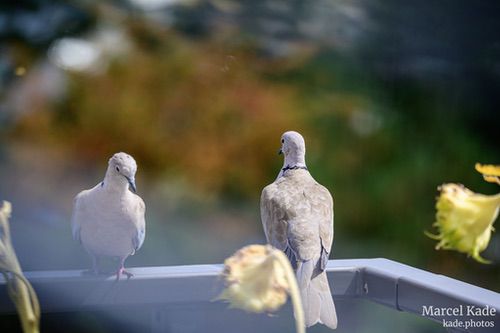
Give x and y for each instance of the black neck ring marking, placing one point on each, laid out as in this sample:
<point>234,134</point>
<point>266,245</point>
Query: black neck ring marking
<point>295,167</point>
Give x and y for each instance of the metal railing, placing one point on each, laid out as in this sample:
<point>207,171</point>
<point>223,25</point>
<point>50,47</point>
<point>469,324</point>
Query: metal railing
<point>161,289</point>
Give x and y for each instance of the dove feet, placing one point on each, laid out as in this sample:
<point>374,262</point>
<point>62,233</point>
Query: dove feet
<point>121,271</point>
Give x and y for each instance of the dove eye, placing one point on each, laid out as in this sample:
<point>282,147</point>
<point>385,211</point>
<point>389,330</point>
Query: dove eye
<point>118,169</point>
<point>282,140</point>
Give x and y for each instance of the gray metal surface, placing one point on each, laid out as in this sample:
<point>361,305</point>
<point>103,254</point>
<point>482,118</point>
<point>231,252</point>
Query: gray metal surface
<point>383,281</point>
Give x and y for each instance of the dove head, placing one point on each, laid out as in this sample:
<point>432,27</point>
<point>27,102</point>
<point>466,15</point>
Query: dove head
<point>121,170</point>
<point>294,148</point>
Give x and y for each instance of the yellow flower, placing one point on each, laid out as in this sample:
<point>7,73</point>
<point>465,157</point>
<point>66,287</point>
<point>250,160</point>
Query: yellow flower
<point>465,219</point>
<point>491,173</point>
<point>20,290</point>
<point>258,279</point>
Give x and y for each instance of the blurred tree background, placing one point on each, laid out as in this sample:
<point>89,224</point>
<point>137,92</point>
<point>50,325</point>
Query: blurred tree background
<point>392,98</point>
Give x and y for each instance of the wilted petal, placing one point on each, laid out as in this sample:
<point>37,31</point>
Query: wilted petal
<point>491,173</point>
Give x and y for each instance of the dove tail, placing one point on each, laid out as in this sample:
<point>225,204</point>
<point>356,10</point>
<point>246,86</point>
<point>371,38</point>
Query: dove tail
<point>316,297</point>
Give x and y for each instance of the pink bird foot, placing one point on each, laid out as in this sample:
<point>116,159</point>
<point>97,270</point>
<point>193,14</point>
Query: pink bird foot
<point>121,271</point>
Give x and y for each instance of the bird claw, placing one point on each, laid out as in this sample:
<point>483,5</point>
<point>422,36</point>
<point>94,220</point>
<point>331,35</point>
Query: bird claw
<point>123,271</point>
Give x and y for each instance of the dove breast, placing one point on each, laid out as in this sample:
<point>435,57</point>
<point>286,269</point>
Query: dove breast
<point>109,224</point>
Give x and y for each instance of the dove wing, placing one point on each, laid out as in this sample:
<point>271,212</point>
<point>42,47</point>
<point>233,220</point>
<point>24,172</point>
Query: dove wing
<point>140,211</point>
<point>324,210</point>
<point>272,218</point>
<point>76,218</point>
<point>279,221</point>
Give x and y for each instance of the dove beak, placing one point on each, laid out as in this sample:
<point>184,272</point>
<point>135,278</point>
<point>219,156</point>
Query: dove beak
<point>280,151</point>
<point>131,183</point>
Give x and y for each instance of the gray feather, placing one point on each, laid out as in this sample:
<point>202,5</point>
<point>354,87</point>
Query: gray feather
<point>328,314</point>
<point>311,300</point>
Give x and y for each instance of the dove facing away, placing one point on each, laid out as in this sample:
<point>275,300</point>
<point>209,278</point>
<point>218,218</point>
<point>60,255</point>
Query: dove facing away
<point>109,219</point>
<point>297,216</point>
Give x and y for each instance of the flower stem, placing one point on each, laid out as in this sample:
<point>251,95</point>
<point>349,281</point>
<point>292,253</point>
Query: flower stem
<point>298,311</point>
<point>20,290</point>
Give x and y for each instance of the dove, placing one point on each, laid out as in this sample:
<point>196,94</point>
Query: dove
<point>297,217</point>
<point>109,219</point>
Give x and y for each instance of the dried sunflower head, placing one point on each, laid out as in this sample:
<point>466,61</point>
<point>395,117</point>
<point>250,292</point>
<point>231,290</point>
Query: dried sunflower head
<point>258,279</point>
<point>255,280</point>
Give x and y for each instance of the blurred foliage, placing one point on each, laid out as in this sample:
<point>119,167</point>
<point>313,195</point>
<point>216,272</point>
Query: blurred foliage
<point>198,111</point>
<point>209,108</point>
